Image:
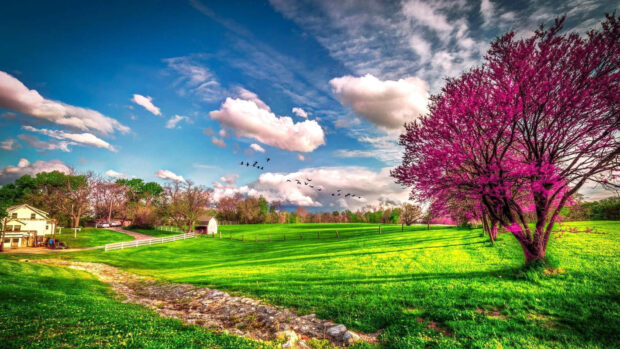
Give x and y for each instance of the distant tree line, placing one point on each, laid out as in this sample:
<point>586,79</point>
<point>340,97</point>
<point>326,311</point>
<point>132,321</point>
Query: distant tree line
<point>606,209</point>
<point>84,199</point>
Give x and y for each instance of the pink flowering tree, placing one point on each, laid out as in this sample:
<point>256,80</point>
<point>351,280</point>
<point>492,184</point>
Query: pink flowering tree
<point>524,132</point>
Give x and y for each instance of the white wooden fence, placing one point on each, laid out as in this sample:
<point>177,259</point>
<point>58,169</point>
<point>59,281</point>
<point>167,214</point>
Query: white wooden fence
<point>148,242</point>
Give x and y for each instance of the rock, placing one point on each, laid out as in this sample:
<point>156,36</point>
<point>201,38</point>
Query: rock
<point>287,335</point>
<point>350,337</point>
<point>336,331</point>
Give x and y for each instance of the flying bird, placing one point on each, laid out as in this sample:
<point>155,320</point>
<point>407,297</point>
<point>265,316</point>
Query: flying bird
<point>288,180</point>
<point>309,180</point>
<point>241,163</point>
<point>338,194</point>
<point>268,159</point>
<point>312,186</point>
<point>332,194</point>
<point>319,189</point>
<point>305,183</point>
<point>247,164</point>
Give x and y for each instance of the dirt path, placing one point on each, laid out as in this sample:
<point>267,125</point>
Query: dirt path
<point>137,236</point>
<point>218,310</point>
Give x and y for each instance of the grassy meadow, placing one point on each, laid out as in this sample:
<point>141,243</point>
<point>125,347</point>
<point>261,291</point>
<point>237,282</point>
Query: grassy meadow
<point>51,307</point>
<point>89,237</point>
<point>443,287</point>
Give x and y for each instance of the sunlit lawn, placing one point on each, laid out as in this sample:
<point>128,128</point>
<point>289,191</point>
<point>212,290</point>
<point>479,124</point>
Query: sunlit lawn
<point>399,282</point>
<point>51,307</point>
<point>89,237</point>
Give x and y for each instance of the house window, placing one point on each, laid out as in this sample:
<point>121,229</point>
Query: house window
<point>33,216</point>
<point>9,227</point>
<point>17,227</point>
<point>14,215</point>
<point>47,227</point>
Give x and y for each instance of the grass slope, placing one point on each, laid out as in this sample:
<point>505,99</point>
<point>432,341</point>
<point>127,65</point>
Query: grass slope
<point>89,237</point>
<point>400,282</point>
<point>155,232</point>
<point>49,307</point>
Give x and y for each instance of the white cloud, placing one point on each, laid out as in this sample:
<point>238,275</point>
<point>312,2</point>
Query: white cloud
<point>487,10</point>
<point>172,123</point>
<point>300,112</point>
<point>300,157</point>
<point>112,173</point>
<point>16,96</point>
<point>195,78</point>
<point>421,47</point>
<point>223,133</point>
<point>147,103</point>
<point>253,119</point>
<point>88,139</point>
<point>257,147</point>
<point>229,178</point>
<point>375,188</point>
<point>24,167</point>
<point>169,175</point>
<point>387,104</point>
<point>218,141</point>
<point>9,144</point>
<point>39,144</point>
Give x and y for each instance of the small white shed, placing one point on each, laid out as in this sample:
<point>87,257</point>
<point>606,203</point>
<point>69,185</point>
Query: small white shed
<point>206,225</point>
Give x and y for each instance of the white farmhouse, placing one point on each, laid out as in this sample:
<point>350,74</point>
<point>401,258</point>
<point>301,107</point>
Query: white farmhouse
<point>26,225</point>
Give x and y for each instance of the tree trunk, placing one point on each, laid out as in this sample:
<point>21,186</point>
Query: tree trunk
<point>532,250</point>
<point>77,219</point>
<point>3,235</point>
<point>110,212</point>
<point>493,231</point>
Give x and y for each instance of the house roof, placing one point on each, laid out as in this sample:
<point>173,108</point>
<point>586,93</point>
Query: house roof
<point>34,209</point>
<point>205,218</point>
<point>15,220</point>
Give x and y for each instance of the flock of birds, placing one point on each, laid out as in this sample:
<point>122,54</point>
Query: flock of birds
<point>306,181</point>
<point>247,164</point>
<point>338,192</point>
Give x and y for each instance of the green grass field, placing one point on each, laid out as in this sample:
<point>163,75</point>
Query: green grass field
<point>400,282</point>
<point>155,232</point>
<point>51,307</point>
<point>89,237</point>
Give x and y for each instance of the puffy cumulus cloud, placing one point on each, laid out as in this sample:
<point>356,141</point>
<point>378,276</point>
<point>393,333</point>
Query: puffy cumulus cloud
<point>253,97</point>
<point>147,103</point>
<point>16,96</point>
<point>257,147</point>
<point>375,187</point>
<point>87,139</point>
<point>10,173</point>
<point>218,142</point>
<point>300,112</point>
<point>112,173</point>
<point>169,175</point>
<point>9,144</point>
<point>300,157</point>
<point>386,103</point>
<point>43,145</point>
<point>223,133</point>
<point>252,118</point>
<point>174,121</point>
<point>229,178</point>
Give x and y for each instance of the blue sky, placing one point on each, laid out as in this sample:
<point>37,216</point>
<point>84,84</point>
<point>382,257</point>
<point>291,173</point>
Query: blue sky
<point>169,89</point>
